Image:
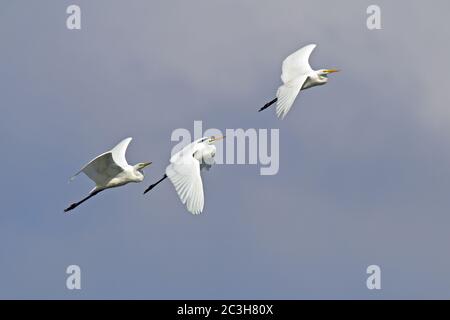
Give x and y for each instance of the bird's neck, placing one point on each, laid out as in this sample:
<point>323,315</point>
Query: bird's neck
<point>138,176</point>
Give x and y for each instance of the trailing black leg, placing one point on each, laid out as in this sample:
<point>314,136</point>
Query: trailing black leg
<point>155,184</point>
<point>268,104</point>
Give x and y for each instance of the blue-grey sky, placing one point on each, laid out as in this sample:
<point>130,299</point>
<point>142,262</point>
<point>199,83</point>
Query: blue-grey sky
<point>364,161</point>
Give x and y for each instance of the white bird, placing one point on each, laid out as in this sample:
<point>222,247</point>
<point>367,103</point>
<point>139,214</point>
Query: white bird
<point>110,170</point>
<point>184,172</point>
<point>297,75</point>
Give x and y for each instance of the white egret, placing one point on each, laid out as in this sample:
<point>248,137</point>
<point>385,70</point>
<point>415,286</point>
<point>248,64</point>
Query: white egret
<point>184,172</point>
<point>297,75</point>
<point>110,170</point>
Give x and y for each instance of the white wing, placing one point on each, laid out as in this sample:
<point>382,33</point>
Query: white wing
<point>184,173</point>
<point>286,95</point>
<point>107,165</point>
<point>118,152</point>
<point>297,64</point>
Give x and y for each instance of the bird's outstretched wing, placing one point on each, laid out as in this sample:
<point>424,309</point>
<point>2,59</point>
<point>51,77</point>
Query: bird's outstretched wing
<point>118,152</point>
<point>286,95</point>
<point>297,64</point>
<point>102,169</point>
<point>184,173</point>
<point>107,165</point>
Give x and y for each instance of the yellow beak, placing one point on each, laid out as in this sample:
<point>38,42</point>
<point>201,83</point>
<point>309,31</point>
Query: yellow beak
<point>146,164</point>
<point>332,70</point>
<point>217,138</point>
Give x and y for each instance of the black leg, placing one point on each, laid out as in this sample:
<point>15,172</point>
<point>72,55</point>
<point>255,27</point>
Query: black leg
<point>155,184</point>
<point>76,204</point>
<point>268,104</point>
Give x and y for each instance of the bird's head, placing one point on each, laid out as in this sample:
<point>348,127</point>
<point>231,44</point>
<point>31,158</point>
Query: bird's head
<point>323,73</point>
<point>210,140</point>
<point>213,139</point>
<point>141,165</point>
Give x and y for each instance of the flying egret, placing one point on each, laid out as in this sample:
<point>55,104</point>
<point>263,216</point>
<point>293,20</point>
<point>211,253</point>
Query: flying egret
<point>297,75</point>
<point>110,170</point>
<point>184,172</point>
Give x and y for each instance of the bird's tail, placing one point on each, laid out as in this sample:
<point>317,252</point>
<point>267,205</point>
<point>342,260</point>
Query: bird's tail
<point>268,104</point>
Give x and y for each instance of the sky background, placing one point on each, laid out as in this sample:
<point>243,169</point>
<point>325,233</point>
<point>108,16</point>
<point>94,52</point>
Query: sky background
<point>364,161</point>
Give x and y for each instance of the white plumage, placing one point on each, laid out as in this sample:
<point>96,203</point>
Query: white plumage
<point>111,169</point>
<point>297,75</point>
<point>184,172</point>
<point>297,64</point>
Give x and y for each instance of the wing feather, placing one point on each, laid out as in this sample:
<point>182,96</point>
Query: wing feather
<point>102,169</point>
<point>286,95</point>
<point>297,64</point>
<point>118,152</point>
<point>184,173</point>
<point>106,166</point>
